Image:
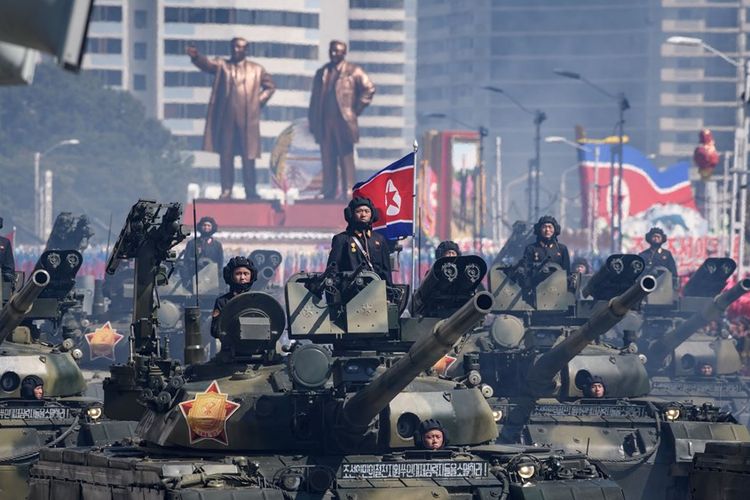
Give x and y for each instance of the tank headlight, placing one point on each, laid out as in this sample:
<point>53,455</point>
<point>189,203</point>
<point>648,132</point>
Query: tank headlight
<point>672,414</point>
<point>94,412</point>
<point>76,353</point>
<point>497,415</point>
<point>526,471</point>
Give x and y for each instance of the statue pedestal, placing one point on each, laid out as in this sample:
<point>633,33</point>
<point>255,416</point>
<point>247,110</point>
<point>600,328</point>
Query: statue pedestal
<point>242,215</point>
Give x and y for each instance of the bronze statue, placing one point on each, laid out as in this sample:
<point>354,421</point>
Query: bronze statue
<point>341,91</point>
<point>240,89</point>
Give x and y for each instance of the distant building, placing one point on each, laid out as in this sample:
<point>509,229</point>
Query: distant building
<point>139,46</point>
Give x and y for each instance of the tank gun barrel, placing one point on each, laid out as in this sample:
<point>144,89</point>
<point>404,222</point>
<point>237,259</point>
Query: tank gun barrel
<point>371,400</point>
<point>659,349</point>
<point>20,303</point>
<point>547,365</point>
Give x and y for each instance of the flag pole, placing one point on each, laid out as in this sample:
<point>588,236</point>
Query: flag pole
<point>414,246</point>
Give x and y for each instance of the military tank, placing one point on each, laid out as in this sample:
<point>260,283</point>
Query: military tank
<point>686,363</point>
<point>333,414</point>
<point>63,416</point>
<point>538,364</point>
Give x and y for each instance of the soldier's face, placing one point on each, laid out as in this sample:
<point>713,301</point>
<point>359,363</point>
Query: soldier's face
<point>242,275</point>
<point>206,227</point>
<point>547,230</point>
<point>450,253</point>
<point>39,392</point>
<point>597,390</point>
<point>656,239</point>
<point>707,370</point>
<point>238,50</point>
<point>363,214</point>
<point>580,268</point>
<point>433,440</point>
<point>336,52</point>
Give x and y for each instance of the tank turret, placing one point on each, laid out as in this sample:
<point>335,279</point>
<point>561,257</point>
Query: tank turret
<point>542,372</point>
<point>660,348</point>
<point>19,304</point>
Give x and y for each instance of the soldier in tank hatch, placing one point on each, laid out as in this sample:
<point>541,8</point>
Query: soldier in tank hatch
<point>655,255</point>
<point>431,435</point>
<point>240,274</point>
<point>447,248</point>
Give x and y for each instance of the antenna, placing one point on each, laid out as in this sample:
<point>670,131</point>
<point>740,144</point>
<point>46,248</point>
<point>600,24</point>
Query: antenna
<point>195,254</point>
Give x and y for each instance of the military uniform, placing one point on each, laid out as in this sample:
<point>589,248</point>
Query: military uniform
<point>221,301</point>
<point>351,248</point>
<point>208,248</point>
<point>659,257</point>
<point>7,262</point>
<point>541,253</point>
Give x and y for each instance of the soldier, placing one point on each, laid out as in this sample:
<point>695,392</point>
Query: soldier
<point>341,91</point>
<point>581,265</point>
<point>7,262</point>
<point>241,88</point>
<point>359,244</point>
<point>705,370</point>
<point>240,274</point>
<point>546,250</point>
<point>655,255</point>
<point>431,435</point>
<point>32,388</point>
<point>208,248</point>
<point>595,388</point>
<point>447,248</point>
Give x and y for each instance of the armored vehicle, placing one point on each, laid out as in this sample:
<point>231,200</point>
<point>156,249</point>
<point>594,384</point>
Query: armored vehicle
<point>688,362</point>
<point>540,367</point>
<point>60,416</point>
<point>335,414</point>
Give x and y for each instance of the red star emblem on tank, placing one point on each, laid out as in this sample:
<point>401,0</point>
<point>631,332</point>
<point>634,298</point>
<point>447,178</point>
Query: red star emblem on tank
<point>102,342</point>
<point>207,414</point>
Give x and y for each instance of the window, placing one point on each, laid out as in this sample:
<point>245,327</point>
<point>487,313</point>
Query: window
<point>376,4</point>
<point>139,82</point>
<point>104,46</point>
<point>253,17</point>
<point>139,51</point>
<point>383,68</point>
<point>254,49</point>
<point>140,19</point>
<point>106,13</point>
<point>376,46</point>
<point>108,77</point>
<point>375,24</point>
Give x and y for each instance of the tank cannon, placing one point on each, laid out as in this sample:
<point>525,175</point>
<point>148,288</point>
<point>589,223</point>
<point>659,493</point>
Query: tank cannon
<point>20,304</point>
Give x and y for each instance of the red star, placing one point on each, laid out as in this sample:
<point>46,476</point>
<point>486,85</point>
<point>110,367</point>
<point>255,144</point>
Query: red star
<point>102,342</point>
<point>390,198</point>
<point>444,364</point>
<point>206,415</point>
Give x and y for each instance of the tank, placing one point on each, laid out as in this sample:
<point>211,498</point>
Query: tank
<point>540,355</point>
<point>333,414</point>
<point>687,363</point>
<point>63,417</point>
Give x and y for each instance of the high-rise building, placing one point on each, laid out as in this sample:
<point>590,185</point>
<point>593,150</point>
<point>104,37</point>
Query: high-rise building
<point>139,46</point>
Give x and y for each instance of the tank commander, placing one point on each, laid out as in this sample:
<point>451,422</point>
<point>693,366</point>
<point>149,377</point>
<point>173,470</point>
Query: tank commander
<point>546,249</point>
<point>32,388</point>
<point>431,435</point>
<point>447,248</point>
<point>705,370</point>
<point>359,245</point>
<point>655,255</point>
<point>581,265</point>
<point>595,388</point>
<point>240,274</point>
<point>7,262</point>
<point>208,248</point>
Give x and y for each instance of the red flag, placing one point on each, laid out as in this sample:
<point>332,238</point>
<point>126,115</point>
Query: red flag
<point>391,191</point>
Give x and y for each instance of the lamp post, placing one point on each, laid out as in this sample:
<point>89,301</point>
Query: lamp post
<point>539,118</point>
<point>506,190</point>
<point>616,194</point>
<point>39,213</point>
<point>737,221</point>
<point>479,188</point>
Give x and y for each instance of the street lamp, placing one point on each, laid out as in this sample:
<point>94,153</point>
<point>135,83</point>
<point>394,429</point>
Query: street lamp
<point>506,190</point>
<point>616,199</point>
<point>40,215</point>
<point>539,118</point>
<point>739,175</point>
<point>480,188</point>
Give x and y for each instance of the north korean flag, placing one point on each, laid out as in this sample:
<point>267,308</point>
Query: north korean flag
<point>391,191</point>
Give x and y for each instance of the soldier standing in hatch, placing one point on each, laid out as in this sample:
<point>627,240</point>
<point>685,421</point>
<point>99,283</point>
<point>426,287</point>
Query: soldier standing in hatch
<point>359,244</point>
<point>240,273</point>
<point>240,89</point>
<point>341,91</point>
<point>546,249</point>
<point>208,247</point>
<point>655,255</point>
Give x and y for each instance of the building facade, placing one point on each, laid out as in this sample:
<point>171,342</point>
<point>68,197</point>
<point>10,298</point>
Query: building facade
<point>139,46</point>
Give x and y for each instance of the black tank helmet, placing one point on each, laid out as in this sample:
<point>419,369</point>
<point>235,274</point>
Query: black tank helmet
<point>349,213</point>
<point>581,261</point>
<point>546,219</point>
<point>594,379</point>
<point>28,385</point>
<point>654,231</point>
<point>444,246</point>
<point>214,226</point>
<point>234,263</point>
<point>426,426</point>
